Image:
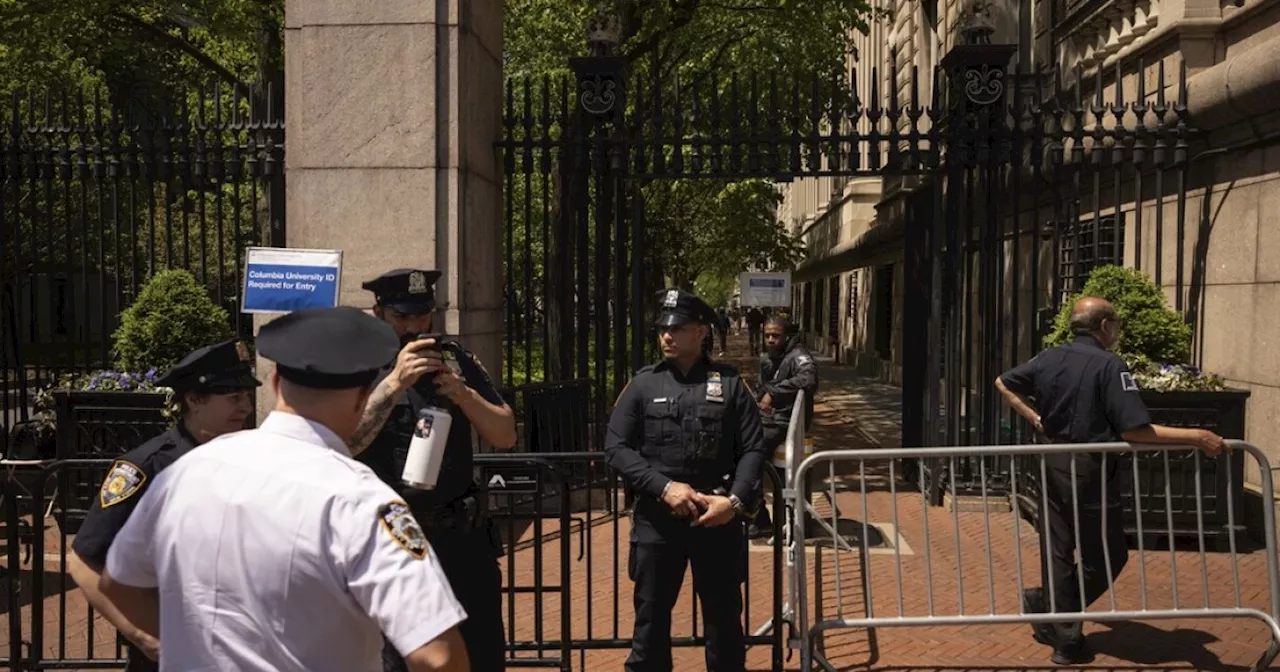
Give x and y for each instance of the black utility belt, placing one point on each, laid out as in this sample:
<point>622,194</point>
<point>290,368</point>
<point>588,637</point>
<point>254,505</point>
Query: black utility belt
<point>462,513</point>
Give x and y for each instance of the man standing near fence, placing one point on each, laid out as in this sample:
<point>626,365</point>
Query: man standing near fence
<point>685,434</point>
<point>454,512</point>
<point>212,388</point>
<point>1082,393</point>
<point>786,367</point>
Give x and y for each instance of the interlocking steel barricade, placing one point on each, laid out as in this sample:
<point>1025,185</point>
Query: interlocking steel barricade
<point>850,478</point>
<point>561,595</point>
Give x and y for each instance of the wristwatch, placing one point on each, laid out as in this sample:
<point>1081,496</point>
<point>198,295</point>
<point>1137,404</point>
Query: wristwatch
<point>736,503</point>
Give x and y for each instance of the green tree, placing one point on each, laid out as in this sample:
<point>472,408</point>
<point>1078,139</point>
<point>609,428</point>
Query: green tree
<point>772,50</point>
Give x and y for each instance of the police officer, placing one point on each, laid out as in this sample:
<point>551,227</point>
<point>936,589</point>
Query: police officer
<point>272,550</point>
<point>685,435</point>
<point>1082,393</point>
<point>786,367</point>
<point>213,387</point>
<point>453,513</point>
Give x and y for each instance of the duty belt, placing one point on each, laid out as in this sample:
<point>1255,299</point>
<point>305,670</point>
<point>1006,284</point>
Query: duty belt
<point>462,513</point>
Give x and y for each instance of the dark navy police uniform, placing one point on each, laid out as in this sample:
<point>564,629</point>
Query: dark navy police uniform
<point>1084,394</point>
<point>702,428</point>
<point>216,369</point>
<point>462,535</point>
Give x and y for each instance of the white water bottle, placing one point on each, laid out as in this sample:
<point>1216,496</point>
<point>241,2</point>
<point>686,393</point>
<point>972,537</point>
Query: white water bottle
<point>426,449</point>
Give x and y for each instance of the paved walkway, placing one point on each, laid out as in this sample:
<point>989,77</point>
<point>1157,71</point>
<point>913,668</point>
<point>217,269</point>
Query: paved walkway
<point>924,554</point>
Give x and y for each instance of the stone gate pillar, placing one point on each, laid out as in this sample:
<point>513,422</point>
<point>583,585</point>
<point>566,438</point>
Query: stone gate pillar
<point>392,108</point>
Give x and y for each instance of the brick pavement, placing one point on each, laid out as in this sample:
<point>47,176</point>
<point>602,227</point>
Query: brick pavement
<point>957,545</point>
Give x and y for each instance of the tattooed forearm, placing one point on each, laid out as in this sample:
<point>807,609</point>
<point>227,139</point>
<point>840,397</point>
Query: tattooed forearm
<point>376,412</point>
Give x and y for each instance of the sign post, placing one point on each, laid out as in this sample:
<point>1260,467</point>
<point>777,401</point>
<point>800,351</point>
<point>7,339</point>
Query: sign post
<point>765,289</point>
<point>282,280</point>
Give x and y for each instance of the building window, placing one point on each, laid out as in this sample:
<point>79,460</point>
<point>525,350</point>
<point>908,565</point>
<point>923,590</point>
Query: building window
<point>1086,245</point>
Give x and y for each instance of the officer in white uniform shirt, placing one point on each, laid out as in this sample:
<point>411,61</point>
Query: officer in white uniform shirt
<point>273,550</point>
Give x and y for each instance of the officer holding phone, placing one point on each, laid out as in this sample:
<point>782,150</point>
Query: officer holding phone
<point>452,513</point>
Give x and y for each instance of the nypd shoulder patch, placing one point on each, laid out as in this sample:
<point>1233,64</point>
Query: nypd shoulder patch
<point>123,481</point>
<point>399,522</point>
<point>804,359</point>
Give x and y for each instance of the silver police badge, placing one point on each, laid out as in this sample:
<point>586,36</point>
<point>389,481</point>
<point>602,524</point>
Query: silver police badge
<point>417,283</point>
<point>399,522</point>
<point>673,297</point>
<point>123,481</point>
<point>715,388</point>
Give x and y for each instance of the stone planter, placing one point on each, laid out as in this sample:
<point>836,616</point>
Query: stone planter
<point>1221,479</point>
<point>97,425</point>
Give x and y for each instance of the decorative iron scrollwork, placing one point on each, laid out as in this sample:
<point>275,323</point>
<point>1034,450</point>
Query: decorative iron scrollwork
<point>984,85</point>
<point>598,94</point>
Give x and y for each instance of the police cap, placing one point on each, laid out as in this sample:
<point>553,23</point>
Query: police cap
<point>329,348</point>
<point>405,290</point>
<point>220,368</point>
<point>679,307</point>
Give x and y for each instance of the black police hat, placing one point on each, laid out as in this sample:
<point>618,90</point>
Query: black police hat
<point>405,290</point>
<point>217,369</point>
<point>680,307</point>
<point>329,348</point>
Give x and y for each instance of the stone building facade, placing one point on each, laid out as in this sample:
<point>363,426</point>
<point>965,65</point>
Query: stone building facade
<point>849,290</point>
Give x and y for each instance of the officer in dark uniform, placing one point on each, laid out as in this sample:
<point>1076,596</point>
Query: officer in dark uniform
<point>685,434</point>
<point>1082,393</point>
<point>786,367</point>
<point>214,388</point>
<point>452,514</point>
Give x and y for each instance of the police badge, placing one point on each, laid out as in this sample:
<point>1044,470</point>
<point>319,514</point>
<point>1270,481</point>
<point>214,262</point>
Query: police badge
<point>123,481</point>
<point>673,297</point>
<point>715,389</point>
<point>417,283</point>
<point>242,351</point>
<point>399,522</point>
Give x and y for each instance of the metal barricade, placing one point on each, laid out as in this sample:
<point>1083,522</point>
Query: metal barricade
<point>563,563</point>
<point>849,478</point>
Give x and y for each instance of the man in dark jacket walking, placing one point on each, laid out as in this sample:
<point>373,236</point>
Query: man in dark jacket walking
<point>786,367</point>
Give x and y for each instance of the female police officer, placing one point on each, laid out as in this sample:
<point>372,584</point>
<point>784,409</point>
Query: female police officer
<point>452,513</point>
<point>213,386</point>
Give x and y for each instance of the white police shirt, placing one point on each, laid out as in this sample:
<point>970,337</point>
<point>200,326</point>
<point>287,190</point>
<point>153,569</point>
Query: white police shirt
<point>273,550</point>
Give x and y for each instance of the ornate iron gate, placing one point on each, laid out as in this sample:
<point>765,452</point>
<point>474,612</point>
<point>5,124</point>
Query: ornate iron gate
<point>1001,188</point>
<point>94,198</point>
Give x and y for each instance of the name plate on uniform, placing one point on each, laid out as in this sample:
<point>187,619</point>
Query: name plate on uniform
<point>511,479</point>
<point>282,280</point>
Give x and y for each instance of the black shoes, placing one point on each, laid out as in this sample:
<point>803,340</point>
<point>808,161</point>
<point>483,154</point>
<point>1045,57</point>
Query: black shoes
<point>1067,649</point>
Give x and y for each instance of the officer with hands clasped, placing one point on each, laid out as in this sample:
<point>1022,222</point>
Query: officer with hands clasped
<point>452,513</point>
<point>1081,392</point>
<point>213,387</point>
<point>685,434</point>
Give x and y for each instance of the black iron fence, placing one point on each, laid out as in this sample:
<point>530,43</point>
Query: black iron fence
<point>565,542</point>
<point>94,199</point>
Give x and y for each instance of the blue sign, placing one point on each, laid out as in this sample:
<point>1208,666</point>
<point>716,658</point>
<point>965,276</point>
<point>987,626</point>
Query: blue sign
<point>279,280</point>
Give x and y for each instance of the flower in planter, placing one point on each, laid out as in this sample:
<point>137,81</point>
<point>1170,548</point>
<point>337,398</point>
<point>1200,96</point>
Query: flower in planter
<point>1155,340</point>
<point>107,380</point>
